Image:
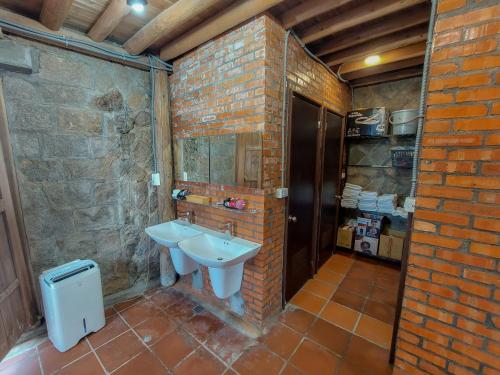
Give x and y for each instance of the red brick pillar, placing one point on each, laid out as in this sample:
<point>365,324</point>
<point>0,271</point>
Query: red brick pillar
<point>451,311</point>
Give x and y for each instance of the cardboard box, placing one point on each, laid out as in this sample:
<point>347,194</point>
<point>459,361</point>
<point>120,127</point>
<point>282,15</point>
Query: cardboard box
<point>344,237</point>
<point>390,246</point>
<point>384,246</point>
<point>368,227</point>
<point>368,122</point>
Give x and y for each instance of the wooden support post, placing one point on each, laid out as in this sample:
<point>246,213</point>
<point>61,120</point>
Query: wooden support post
<point>164,146</point>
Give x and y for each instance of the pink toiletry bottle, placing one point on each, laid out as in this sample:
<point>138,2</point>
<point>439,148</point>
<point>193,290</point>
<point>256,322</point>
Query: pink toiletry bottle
<point>236,203</point>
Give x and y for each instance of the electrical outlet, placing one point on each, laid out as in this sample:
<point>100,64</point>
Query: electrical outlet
<point>155,179</point>
<point>281,193</point>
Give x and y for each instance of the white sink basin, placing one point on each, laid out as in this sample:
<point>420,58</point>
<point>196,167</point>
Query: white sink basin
<point>169,234</point>
<point>223,257</point>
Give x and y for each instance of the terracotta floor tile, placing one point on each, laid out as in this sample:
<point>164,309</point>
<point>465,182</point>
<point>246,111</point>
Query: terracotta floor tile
<point>297,319</point>
<point>384,296</point>
<point>87,365</point>
<point>258,360</point>
<point>320,288</point>
<point>140,312</point>
<point>24,365</point>
<point>154,328</point>
<point>229,372</point>
<point>308,301</point>
<point>201,362</point>
<point>181,310</point>
<point>351,300</point>
<point>357,286</point>
<point>118,351</point>
<point>291,370</point>
<point>336,266</point>
<point>375,331</point>
<point>166,297</point>
<point>114,326</point>
<point>340,315</point>
<point>312,359</point>
<point>204,325</point>
<point>125,304</point>
<point>330,336</point>
<point>380,311</point>
<point>364,355</point>
<point>174,347</point>
<point>17,358</point>
<point>53,360</point>
<point>145,364</point>
<point>282,340</point>
<point>110,311</point>
<point>228,343</point>
<point>328,276</point>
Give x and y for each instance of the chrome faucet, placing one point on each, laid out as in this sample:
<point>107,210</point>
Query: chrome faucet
<point>188,216</point>
<point>228,229</point>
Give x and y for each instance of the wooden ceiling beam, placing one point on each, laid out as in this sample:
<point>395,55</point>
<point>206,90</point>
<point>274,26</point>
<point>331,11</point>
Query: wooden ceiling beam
<point>382,44</point>
<point>355,16</point>
<point>398,54</point>
<point>166,22</point>
<point>380,27</point>
<point>308,10</point>
<point>232,16</point>
<point>388,77</point>
<point>114,13</point>
<point>378,69</point>
<point>54,12</point>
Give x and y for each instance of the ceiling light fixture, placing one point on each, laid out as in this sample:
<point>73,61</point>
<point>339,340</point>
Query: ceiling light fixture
<point>372,60</point>
<point>138,6</point>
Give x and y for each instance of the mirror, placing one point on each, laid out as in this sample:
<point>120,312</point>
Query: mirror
<point>230,159</point>
<point>191,159</point>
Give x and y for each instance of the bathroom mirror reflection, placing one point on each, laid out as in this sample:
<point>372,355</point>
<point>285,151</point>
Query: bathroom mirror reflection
<point>231,159</point>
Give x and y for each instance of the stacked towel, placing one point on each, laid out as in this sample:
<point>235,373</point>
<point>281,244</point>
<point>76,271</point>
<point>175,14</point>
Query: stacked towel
<point>367,201</point>
<point>400,211</point>
<point>350,195</point>
<point>387,203</point>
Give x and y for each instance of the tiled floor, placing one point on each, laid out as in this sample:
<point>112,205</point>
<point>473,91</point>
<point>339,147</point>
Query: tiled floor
<point>330,327</point>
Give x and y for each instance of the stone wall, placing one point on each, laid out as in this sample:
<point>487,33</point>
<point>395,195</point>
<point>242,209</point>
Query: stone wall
<point>81,138</point>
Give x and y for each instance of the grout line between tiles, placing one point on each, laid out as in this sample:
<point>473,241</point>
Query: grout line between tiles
<point>98,359</point>
<point>39,360</point>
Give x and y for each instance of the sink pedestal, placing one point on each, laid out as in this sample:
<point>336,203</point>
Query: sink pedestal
<point>183,264</point>
<point>226,281</point>
<point>166,278</point>
<point>197,280</point>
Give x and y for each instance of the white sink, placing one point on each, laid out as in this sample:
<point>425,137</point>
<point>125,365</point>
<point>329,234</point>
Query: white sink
<point>223,257</point>
<point>169,234</point>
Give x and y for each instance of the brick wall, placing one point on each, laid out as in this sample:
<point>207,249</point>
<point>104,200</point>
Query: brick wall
<point>451,312</point>
<point>233,84</point>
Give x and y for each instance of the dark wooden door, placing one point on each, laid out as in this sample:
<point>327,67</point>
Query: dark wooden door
<point>16,291</point>
<point>305,118</point>
<point>330,182</point>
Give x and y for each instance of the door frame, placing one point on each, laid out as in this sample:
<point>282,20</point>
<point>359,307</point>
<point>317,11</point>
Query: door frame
<point>325,110</point>
<point>20,256</point>
<point>313,258</point>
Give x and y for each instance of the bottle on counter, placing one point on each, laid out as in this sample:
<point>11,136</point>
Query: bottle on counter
<point>236,203</point>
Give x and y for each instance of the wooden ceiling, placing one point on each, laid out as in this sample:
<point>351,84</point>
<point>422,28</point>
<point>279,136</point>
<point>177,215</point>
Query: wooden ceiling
<point>341,32</point>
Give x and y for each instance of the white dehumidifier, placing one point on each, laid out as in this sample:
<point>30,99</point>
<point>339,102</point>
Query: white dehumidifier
<point>72,300</point>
